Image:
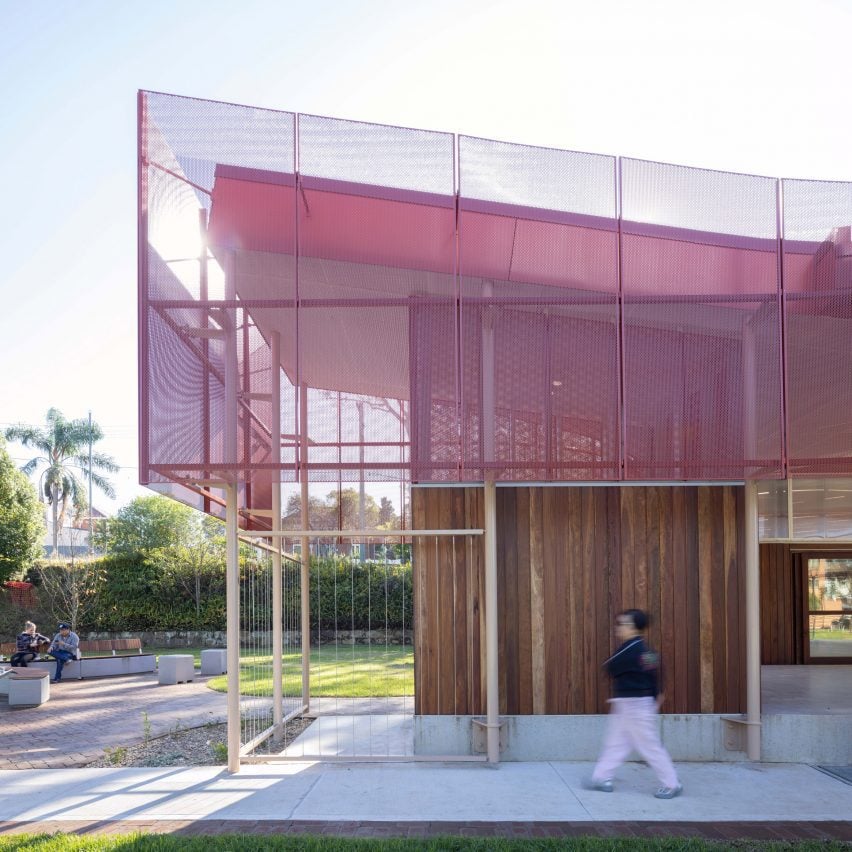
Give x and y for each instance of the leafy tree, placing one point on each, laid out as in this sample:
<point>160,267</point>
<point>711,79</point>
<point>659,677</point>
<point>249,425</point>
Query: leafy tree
<point>388,518</point>
<point>198,561</point>
<point>339,510</point>
<point>21,519</point>
<point>63,445</point>
<point>145,525</point>
<point>71,589</point>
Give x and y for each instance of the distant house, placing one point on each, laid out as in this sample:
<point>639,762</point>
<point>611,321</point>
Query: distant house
<point>73,536</point>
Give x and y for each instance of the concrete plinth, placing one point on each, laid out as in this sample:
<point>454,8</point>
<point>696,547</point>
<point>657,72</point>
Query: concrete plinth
<point>793,738</point>
<point>176,668</point>
<point>29,688</point>
<point>214,661</point>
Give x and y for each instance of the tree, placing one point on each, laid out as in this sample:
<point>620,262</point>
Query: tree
<point>64,446</point>
<point>388,518</point>
<point>199,561</point>
<point>179,552</point>
<point>145,525</point>
<point>72,588</point>
<point>340,510</point>
<point>21,519</point>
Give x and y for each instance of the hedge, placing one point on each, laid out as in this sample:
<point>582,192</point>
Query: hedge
<point>136,594</point>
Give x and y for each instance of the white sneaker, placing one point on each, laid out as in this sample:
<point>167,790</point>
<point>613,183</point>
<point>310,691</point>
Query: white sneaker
<point>668,792</point>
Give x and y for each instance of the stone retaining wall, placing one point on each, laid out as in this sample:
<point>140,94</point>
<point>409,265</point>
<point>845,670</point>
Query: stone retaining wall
<point>216,638</point>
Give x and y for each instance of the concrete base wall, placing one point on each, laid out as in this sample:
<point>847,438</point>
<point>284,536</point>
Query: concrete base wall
<point>102,666</point>
<point>689,737</point>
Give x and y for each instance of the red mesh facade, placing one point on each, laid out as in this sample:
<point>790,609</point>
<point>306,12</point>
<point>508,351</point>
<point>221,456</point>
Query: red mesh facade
<point>701,324</point>
<point>818,331</point>
<point>538,249</point>
<point>447,309</point>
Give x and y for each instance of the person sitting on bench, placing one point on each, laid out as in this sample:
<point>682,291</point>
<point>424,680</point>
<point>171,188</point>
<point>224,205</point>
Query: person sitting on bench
<point>64,647</point>
<point>26,645</point>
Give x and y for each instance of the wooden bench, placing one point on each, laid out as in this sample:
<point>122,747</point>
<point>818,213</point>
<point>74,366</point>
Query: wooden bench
<point>104,658</point>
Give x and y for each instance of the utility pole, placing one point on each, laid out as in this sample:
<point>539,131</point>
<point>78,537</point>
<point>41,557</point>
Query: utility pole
<point>91,528</point>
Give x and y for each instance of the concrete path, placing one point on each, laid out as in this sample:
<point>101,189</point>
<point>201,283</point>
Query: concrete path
<point>420,793</point>
<point>83,717</point>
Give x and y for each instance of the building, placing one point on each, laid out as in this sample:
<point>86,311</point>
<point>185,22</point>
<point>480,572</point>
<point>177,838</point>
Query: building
<point>633,376</point>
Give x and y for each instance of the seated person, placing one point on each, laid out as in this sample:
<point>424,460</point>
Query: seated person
<point>26,645</point>
<point>64,647</point>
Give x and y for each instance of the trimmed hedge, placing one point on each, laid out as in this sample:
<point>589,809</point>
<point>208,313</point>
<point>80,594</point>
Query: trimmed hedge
<point>139,594</point>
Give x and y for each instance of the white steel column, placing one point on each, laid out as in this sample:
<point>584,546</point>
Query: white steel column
<point>487,370</point>
<point>275,428</point>
<point>491,667</point>
<point>232,605</point>
<point>492,692</point>
<point>306,547</point>
<point>232,546</point>
<point>752,582</point>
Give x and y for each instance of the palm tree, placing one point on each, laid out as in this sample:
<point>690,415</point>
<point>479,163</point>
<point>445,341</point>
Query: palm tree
<point>63,445</point>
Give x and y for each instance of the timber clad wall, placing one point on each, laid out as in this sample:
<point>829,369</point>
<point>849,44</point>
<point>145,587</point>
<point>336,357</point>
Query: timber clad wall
<point>567,560</point>
<point>781,629</point>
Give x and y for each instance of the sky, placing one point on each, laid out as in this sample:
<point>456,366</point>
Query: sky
<point>755,86</point>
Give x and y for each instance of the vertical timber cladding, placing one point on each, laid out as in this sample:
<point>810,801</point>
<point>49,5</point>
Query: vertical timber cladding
<point>782,605</point>
<point>567,560</point>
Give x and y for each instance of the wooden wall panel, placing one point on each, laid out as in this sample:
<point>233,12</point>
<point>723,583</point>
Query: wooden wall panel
<point>569,558</point>
<point>781,625</point>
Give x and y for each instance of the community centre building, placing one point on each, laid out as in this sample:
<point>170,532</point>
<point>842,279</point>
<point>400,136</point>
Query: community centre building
<point>597,382</point>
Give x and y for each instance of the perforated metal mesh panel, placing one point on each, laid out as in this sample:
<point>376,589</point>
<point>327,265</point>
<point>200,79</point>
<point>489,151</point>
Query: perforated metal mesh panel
<point>701,346</point>
<point>554,316</point>
<point>212,241</point>
<point>818,299</point>
<point>376,291</point>
<point>539,307</point>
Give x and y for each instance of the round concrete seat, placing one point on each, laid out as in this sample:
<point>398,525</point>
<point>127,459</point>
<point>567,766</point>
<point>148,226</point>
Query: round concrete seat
<point>176,668</point>
<point>214,661</point>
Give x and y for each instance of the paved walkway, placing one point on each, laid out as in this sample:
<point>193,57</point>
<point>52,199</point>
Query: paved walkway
<point>518,799</point>
<point>722,801</point>
<point>83,717</point>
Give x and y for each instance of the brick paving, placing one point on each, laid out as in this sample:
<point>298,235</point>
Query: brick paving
<point>722,831</point>
<point>84,717</point>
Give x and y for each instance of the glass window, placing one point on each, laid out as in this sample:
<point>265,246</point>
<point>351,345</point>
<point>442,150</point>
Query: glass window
<point>829,607</point>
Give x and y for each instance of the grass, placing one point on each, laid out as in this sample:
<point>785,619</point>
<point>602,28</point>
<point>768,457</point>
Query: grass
<point>832,634</point>
<point>311,843</point>
<point>347,671</point>
<point>350,671</point>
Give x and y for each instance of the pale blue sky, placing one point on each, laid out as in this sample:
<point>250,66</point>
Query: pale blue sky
<point>753,86</point>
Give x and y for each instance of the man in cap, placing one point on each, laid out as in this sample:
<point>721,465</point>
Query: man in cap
<point>64,647</point>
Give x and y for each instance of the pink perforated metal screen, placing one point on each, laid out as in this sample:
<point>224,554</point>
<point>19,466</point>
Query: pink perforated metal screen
<point>450,309</point>
<point>818,330</point>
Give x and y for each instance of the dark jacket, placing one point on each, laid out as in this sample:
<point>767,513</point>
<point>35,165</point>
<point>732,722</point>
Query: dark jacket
<point>29,641</point>
<point>635,670</point>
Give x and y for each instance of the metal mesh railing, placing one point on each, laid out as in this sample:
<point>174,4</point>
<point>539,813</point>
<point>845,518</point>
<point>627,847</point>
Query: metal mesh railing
<point>365,652</point>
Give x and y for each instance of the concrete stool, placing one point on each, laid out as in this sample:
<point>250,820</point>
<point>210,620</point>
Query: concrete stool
<point>214,661</point>
<point>29,688</point>
<point>176,668</point>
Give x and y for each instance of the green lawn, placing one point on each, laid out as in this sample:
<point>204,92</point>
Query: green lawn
<point>358,671</point>
<point>313,843</point>
<point>832,634</point>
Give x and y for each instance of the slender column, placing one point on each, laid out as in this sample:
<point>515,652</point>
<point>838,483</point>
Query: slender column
<point>487,369</point>
<point>306,547</point>
<point>752,579</point>
<point>491,666</point>
<point>275,424</point>
<point>232,595</point>
<point>232,563</point>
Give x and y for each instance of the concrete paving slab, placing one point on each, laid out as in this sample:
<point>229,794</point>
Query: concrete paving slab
<point>335,735</point>
<point>441,792</point>
<point>421,793</point>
